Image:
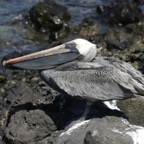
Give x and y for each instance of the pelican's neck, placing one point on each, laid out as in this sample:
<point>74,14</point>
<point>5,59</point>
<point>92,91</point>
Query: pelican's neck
<point>90,55</point>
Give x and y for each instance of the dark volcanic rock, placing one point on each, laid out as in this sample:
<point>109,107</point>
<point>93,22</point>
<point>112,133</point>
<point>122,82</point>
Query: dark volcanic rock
<point>48,16</point>
<point>27,120</point>
<point>122,11</point>
<point>107,130</point>
<point>34,116</point>
<point>29,127</point>
<point>2,78</point>
<point>113,44</point>
<point>34,119</point>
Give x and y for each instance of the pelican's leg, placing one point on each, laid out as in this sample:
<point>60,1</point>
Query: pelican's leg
<point>86,111</point>
<point>82,118</point>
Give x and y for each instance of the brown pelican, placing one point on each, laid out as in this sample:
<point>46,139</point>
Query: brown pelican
<point>73,69</point>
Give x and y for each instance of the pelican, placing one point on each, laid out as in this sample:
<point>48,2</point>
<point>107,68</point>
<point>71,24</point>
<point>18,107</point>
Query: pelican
<point>73,68</point>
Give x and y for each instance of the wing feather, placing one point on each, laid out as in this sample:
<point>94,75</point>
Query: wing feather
<point>123,66</point>
<point>102,79</point>
<point>100,83</point>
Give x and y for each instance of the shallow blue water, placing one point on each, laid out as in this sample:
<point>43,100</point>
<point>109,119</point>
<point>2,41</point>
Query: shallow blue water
<point>12,32</point>
<point>82,8</point>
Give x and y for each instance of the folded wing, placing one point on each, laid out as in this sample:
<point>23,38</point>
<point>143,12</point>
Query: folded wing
<point>97,80</point>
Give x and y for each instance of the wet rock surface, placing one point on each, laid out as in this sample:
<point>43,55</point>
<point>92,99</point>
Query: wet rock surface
<point>31,112</point>
<point>49,17</point>
<point>121,12</point>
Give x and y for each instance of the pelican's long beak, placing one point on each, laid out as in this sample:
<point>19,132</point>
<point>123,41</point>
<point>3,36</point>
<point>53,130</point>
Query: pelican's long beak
<point>46,59</point>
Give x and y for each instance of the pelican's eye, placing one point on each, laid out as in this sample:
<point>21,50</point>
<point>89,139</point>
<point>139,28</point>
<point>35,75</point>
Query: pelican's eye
<point>71,45</point>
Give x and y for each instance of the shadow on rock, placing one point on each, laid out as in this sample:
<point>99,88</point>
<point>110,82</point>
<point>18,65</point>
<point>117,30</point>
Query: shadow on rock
<point>28,122</point>
<point>34,116</point>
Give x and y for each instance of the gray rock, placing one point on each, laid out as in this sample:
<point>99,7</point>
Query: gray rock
<point>29,127</point>
<point>107,130</point>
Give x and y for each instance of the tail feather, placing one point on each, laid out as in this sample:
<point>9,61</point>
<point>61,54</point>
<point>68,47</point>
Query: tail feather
<point>139,96</point>
<point>139,88</point>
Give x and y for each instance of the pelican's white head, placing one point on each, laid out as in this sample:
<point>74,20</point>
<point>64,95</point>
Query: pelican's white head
<point>86,48</point>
